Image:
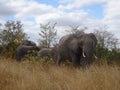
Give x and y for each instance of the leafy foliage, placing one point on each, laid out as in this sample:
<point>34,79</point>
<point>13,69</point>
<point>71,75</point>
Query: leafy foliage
<point>75,29</point>
<point>48,35</point>
<point>108,46</point>
<point>106,39</point>
<point>12,32</point>
<point>11,35</point>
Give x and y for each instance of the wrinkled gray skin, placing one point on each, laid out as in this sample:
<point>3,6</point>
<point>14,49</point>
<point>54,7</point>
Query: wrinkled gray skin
<point>77,48</point>
<point>48,52</point>
<point>23,50</point>
<point>54,52</point>
<point>45,52</point>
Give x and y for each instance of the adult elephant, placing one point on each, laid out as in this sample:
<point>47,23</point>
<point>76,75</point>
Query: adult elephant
<point>77,47</point>
<point>23,50</point>
<point>28,43</point>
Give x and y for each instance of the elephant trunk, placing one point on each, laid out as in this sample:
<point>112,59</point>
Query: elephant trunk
<point>87,52</point>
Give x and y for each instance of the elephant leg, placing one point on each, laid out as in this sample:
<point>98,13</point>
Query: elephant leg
<point>84,62</point>
<point>59,60</point>
<point>75,60</point>
<point>90,61</point>
<point>18,58</point>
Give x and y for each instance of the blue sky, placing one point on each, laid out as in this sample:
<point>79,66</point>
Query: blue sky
<point>95,10</point>
<point>90,13</point>
<point>54,3</point>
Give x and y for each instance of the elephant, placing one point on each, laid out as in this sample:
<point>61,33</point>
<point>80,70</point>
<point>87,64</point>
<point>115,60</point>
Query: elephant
<point>45,52</point>
<point>77,47</point>
<point>48,52</point>
<point>28,43</point>
<point>1,48</point>
<point>23,50</point>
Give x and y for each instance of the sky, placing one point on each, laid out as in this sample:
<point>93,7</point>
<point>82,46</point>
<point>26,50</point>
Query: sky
<point>90,13</point>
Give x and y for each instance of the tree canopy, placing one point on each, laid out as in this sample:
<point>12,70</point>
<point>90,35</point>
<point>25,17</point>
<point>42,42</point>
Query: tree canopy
<point>12,31</point>
<point>47,35</point>
<point>11,34</point>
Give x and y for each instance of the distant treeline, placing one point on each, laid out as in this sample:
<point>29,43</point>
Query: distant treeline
<point>12,33</point>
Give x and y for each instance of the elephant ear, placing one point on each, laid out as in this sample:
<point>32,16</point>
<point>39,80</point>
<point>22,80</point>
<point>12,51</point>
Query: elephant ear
<point>93,37</point>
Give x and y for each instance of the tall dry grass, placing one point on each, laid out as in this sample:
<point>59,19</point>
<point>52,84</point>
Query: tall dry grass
<point>41,76</point>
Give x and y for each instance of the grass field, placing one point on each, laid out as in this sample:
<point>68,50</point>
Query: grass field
<point>46,76</point>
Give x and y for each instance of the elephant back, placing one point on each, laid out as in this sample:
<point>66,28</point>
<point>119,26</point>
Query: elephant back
<point>44,52</point>
<point>66,39</point>
<point>28,43</point>
<point>63,39</point>
<point>79,34</point>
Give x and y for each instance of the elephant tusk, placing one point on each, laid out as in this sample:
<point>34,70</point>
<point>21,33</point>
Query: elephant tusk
<point>95,56</point>
<point>84,55</point>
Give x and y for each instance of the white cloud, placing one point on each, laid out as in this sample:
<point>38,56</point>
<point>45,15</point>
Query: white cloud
<point>112,16</point>
<point>63,18</point>
<point>72,4</point>
<point>32,29</point>
<point>6,9</point>
<point>67,13</point>
<point>33,9</point>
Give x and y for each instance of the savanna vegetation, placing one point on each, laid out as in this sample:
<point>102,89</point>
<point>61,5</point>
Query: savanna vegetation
<point>46,76</point>
<point>103,74</point>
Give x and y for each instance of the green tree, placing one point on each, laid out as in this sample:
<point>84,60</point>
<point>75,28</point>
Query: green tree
<point>107,46</point>
<point>74,29</point>
<point>11,34</point>
<point>12,31</point>
<point>106,39</point>
<point>47,35</point>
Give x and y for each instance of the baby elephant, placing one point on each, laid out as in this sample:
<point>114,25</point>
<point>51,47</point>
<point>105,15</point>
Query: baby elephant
<point>23,50</point>
<point>45,52</point>
<point>48,52</point>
